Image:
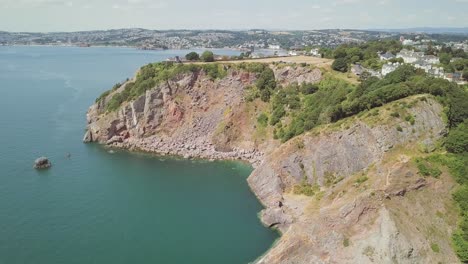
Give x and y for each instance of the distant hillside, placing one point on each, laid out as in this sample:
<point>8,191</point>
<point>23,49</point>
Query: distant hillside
<point>428,30</point>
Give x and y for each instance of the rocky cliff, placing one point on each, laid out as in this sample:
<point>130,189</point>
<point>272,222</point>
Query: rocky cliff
<point>191,115</point>
<point>369,203</point>
<point>364,209</point>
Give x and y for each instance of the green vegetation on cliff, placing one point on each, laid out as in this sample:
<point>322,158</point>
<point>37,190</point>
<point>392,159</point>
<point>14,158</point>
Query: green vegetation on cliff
<point>155,74</point>
<point>294,109</point>
<point>299,108</point>
<point>457,166</point>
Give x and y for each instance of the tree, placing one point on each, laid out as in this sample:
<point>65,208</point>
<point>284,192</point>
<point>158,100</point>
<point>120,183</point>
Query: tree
<point>340,52</point>
<point>458,107</point>
<point>364,76</point>
<point>457,139</point>
<point>465,74</point>
<point>192,56</point>
<point>399,60</point>
<point>459,65</point>
<point>459,53</point>
<point>430,49</point>
<point>354,54</point>
<point>445,58</point>
<point>340,65</point>
<point>207,56</point>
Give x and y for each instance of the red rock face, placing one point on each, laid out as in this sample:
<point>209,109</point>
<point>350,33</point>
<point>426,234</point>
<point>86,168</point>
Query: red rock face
<point>176,113</point>
<point>246,78</point>
<point>125,134</point>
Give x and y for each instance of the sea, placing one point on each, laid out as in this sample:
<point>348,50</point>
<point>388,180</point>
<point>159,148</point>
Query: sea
<point>96,205</point>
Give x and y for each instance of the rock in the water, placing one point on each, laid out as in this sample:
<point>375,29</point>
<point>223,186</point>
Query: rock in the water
<point>42,163</point>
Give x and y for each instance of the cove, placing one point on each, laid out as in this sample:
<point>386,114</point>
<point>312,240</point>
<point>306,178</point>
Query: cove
<point>101,207</point>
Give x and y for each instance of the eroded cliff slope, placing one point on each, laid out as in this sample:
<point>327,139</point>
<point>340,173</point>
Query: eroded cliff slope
<point>347,192</point>
<point>370,204</point>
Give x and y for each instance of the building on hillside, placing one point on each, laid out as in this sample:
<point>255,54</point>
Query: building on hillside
<point>408,42</point>
<point>274,47</point>
<point>358,70</point>
<point>389,67</point>
<point>421,64</point>
<point>437,72</point>
<point>386,56</point>
<point>315,52</point>
<point>296,52</point>
<point>455,77</point>
<point>422,47</point>
<point>410,56</point>
<point>431,59</point>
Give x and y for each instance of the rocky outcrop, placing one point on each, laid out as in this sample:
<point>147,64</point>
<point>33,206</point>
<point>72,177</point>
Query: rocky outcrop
<point>341,153</point>
<point>289,74</point>
<point>42,163</point>
<point>190,116</point>
<point>347,221</point>
<point>319,230</point>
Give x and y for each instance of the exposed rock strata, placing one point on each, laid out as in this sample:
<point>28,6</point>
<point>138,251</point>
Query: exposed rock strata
<point>190,116</point>
<point>193,116</point>
<point>314,231</point>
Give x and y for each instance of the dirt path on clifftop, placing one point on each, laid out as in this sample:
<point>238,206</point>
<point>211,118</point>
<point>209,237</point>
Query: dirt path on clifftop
<point>319,62</point>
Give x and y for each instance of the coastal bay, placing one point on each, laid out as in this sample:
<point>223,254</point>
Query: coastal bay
<point>99,207</point>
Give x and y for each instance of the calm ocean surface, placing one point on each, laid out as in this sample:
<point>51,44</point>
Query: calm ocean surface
<point>98,207</point>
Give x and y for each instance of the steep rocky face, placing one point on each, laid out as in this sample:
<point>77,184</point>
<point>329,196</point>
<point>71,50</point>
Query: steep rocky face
<point>341,153</point>
<point>364,209</point>
<point>289,74</point>
<point>190,116</point>
<point>354,222</point>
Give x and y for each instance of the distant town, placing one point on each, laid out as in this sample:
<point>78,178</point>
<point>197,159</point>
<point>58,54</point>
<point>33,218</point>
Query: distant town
<point>422,50</point>
<point>447,60</point>
<point>191,39</point>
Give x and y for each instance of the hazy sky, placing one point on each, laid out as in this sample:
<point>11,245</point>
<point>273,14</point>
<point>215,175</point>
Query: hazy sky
<point>72,15</point>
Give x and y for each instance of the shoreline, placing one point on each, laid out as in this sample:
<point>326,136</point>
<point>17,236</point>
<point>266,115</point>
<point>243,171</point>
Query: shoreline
<point>245,162</point>
<point>113,46</point>
<point>195,150</point>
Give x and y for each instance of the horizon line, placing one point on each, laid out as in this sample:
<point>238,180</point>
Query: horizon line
<point>382,29</point>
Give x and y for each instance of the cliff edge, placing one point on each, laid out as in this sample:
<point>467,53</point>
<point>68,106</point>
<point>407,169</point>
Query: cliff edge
<point>346,192</point>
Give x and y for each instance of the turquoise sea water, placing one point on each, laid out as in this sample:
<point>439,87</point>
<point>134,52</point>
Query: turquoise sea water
<point>98,207</point>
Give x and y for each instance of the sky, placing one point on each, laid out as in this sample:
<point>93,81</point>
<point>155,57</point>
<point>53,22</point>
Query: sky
<point>76,15</point>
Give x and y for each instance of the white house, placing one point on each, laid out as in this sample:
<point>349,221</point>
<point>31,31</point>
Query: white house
<point>358,70</point>
<point>315,52</point>
<point>431,59</point>
<point>274,47</point>
<point>410,56</point>
<point>295,52</point>
<point>389,67</point>
<point>408,42</point>
<point>437,72</point>
<point>421,64</point>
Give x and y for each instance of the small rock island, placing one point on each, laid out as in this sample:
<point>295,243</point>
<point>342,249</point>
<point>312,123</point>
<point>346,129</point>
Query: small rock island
<point>42,163</point>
